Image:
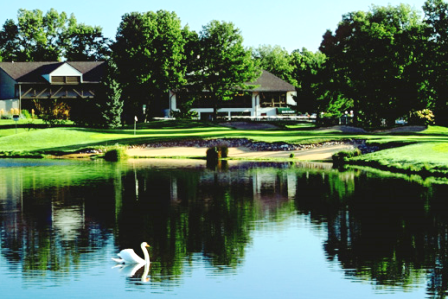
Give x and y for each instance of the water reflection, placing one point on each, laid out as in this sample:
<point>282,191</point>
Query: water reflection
<point>58,217</point>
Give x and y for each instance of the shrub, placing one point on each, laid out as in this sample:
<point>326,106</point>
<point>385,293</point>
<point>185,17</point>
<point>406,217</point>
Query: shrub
<point>423,117</point>
<point>213,154</point>
<point>26,114</point>
<point>184,110</point>
<point>216,153</point>
<point>52,112</point>
<point>341,157</point>
<point>115,154</point>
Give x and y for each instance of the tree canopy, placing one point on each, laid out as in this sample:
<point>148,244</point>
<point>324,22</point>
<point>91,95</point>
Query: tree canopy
<point>385,63</point>
<point>436,18</point>
<point>369,63</point>
<point>224,64</point>
<point>51,36</point>
<point>86,43</point>
<point>149,53</point>
<point>277,61</point>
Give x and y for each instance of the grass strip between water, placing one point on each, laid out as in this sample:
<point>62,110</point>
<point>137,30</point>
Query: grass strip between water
<point>424,152</point>
<point>427,159</point>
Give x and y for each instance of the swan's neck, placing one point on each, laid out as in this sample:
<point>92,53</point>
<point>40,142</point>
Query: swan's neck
<point>146,255</point>
<point>145,273</point>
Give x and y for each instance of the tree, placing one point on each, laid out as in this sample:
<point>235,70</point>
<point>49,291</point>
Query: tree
<point>86,43</point>
<point>307,73</point>
<point>109,99</point>
<point>51,37</point>
<point>436,17</point>
<point>277,61</point>
<point>225,65</point>
<point>149,52</point>
<point>191,50</point>
<point>106,108</point>
<point>35,36</point>
<point>368,63</point>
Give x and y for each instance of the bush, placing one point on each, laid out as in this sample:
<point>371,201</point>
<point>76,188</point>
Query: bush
<point>52,112</point>
<point>26,114</point>
<point>216,153</point>
<point>184,110</point>
<point>115,154</point>
<point>341,157</point>
<point>423,117</point>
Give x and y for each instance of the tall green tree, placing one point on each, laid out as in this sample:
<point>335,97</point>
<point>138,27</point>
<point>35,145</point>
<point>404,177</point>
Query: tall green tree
<point>191,50</point>
<point>225,65</point>
<point>367,61</point>
<point>307,73</point>
<point>106,109</point>
<point>86,43</point>
<point>149,52</point>
<point>277,61</point>
<point>51,37</point>
<point>436,17</point>
<point>110,102</point>
<point>36,36</point>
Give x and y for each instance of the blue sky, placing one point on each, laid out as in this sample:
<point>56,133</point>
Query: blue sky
<point>291,24</point>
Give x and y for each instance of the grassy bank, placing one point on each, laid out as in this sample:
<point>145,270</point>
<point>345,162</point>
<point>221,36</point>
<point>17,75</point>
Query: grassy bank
<point>429,158</point>
<point>424,153</point>
<point>421,152</point>
<point>71,139</point>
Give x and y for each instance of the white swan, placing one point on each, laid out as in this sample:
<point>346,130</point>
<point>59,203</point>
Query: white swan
<point>128,256</point>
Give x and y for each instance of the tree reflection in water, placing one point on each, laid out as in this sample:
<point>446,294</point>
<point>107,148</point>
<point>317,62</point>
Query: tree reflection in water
<point>389,230</point>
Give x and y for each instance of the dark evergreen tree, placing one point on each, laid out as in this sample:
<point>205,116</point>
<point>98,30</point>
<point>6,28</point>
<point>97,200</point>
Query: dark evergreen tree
<point>109,100</point>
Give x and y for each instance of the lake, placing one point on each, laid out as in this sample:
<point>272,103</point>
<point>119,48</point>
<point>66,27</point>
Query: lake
<point>237,230</point>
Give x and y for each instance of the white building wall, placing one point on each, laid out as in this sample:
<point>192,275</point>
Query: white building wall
<point>255,111</point>
<point>6,105</point>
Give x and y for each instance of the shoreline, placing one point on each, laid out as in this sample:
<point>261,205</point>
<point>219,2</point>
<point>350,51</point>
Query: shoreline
<point>323,153</point>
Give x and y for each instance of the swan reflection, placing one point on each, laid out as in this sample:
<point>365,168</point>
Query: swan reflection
<point>130,270</point>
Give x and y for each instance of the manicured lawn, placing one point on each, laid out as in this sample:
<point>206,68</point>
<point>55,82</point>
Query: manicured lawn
<point>71,139</point>
<point>427,157</point>
<point>425,151</point>
<point>21,122</point>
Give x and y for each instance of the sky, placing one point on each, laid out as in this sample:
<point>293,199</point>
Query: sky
<point>290,24</point>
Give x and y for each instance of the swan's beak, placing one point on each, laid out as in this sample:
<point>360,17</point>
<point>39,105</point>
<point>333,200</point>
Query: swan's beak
<point>147,245</point>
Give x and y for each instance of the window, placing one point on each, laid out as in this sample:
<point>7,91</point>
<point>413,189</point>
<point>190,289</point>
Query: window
<point>73,79</point>
<point>57,79</point>
<point>66,79</point>
<point>273,99</point>
<point>204,100</point>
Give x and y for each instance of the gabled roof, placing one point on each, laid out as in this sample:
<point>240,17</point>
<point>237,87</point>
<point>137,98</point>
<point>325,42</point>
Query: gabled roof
<point>272,83</point>
<point>267,82</point>
<point>31,72</point>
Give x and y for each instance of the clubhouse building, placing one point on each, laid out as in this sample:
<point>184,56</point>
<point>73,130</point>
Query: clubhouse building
<point>23,82</point>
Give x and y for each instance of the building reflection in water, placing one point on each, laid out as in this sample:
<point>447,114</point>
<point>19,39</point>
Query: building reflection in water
<point>385,229</point>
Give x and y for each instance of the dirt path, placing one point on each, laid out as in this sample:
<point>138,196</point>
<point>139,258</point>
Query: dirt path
<point>315,154</point>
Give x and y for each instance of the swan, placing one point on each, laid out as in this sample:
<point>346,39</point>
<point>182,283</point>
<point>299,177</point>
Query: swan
<point>128,256</point>
<point>130,270</point>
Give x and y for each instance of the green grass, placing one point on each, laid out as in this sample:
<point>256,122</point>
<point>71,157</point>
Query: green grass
<point>21,123</point>
<point>72,139</point>
<point>422,152</point>
<point>435,130</point>
<point>429,158</point>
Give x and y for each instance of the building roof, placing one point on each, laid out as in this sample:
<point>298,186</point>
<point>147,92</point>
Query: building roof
<point>31,72</point>
<point>272,83</point>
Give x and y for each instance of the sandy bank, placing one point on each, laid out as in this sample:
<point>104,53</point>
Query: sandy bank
<point>314,154</point>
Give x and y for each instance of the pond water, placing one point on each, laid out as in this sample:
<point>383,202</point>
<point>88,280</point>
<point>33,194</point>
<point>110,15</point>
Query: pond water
<point>243,230</point>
